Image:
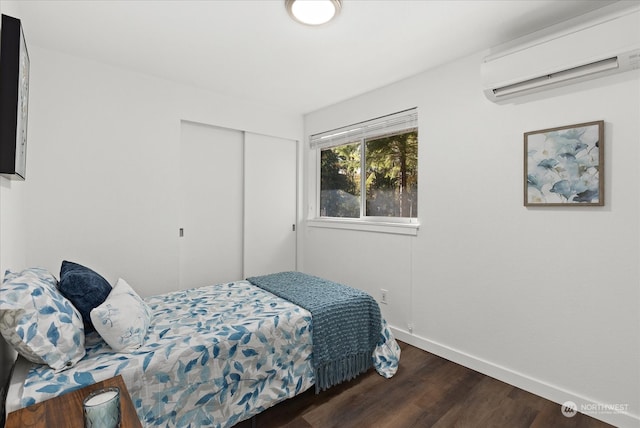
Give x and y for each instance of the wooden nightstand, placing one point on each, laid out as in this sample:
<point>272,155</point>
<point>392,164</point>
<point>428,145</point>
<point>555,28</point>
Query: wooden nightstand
<point>65,411</point>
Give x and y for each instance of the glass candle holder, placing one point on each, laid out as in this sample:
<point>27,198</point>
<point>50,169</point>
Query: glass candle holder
<point>101,408</point>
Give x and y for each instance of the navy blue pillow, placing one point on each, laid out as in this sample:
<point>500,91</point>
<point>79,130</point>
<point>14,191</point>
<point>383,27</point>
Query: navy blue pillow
<point>85,289</point>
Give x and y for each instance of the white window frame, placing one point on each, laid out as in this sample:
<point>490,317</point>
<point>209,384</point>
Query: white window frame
<point>402,121</point>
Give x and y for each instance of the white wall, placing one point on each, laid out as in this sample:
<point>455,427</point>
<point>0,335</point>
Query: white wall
<point>103,165</point>
<point>546,299</point>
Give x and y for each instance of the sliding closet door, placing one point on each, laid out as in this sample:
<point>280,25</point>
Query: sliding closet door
<point>270,204</point>
<point>211,184</point>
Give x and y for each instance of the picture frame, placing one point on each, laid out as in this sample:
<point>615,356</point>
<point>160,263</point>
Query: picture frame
<point>14,99</point>
<point>564,166</point>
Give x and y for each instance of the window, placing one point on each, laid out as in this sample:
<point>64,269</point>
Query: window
<point>377,159</point>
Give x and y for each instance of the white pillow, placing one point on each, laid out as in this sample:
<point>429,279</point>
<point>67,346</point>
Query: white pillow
<point>122,319</point>
<point>38,321</point>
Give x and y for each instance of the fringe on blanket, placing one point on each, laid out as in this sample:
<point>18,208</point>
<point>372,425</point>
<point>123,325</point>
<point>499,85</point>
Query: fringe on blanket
<point>341,370</point>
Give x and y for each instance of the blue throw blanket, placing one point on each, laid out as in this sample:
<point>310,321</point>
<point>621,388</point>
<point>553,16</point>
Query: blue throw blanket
<point>346,323</point>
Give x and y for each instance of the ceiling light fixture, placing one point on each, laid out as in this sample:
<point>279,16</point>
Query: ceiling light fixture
<point>313,12</point>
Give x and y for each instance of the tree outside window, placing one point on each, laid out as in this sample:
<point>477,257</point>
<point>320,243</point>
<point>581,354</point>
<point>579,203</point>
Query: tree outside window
<point>390,165</point>
<point>392,175</point>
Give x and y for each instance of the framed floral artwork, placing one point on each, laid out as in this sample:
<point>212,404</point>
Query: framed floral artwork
<point>564,166</point>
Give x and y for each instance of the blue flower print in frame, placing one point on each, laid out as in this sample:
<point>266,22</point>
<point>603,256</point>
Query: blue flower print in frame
<point>565,166</point>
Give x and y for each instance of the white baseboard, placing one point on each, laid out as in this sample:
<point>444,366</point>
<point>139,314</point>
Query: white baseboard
<point>617,417</point>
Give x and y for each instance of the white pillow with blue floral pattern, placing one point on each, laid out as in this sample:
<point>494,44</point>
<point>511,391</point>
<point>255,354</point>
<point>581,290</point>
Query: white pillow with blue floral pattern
<point>38,321</point>
<point>122,319</point>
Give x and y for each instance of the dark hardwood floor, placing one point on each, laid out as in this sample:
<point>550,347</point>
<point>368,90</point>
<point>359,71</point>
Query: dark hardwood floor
<point>427,391</point>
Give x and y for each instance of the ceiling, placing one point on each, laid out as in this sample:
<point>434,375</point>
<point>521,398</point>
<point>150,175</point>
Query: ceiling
<point>252,50</point>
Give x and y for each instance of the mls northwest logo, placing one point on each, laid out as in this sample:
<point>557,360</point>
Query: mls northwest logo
<point>569,409</point>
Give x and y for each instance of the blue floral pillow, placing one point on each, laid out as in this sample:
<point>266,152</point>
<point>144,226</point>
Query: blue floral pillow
<point>123,319</point>
<point>38,321</point>
<point>85,288</point>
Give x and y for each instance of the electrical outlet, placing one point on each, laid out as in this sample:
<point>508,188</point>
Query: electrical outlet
<point>383,295</point>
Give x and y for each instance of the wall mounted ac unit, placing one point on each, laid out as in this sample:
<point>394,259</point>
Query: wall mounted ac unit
<point>563,54</point>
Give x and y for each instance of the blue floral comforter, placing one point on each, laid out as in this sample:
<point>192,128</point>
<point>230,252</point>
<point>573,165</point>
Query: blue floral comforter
<point>213,356</point>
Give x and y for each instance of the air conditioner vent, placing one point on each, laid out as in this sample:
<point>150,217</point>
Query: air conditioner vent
<point>602,44</point>
<point>558,77</point>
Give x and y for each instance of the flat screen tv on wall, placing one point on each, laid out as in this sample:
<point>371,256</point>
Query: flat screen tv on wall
<point>14,97</point>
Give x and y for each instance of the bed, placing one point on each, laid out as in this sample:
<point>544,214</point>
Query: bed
<point>217,355</point>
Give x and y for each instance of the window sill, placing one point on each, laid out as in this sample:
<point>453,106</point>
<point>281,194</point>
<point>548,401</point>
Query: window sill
<point>366,226</point>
